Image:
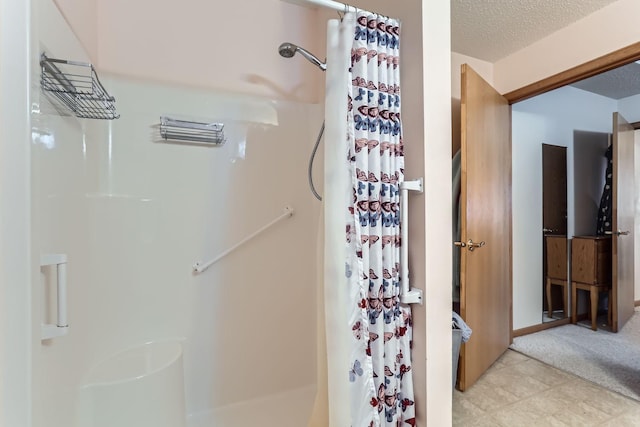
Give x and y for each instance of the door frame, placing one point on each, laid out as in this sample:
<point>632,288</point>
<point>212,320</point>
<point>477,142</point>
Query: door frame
<point>591,68</point>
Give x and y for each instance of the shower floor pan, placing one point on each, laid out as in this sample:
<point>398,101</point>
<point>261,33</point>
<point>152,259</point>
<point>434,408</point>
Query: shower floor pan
<point>140,387</point>
<point>289,409</point>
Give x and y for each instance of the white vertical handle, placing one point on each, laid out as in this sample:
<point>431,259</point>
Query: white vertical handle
<point>62,325</point>
<point>408,295</point>
<point>62,296</point>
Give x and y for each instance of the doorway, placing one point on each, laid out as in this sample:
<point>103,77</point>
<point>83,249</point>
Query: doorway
<point>587,115</point>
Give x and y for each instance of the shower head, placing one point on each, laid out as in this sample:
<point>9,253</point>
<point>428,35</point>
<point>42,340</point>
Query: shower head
<point>288,50</point>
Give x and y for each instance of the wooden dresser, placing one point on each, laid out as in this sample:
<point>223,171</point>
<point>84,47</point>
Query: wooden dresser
<point>590,271</point>
<point>556,272</point>
<point>557,265</point>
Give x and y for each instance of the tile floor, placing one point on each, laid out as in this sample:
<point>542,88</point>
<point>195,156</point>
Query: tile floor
<point>518,391</point>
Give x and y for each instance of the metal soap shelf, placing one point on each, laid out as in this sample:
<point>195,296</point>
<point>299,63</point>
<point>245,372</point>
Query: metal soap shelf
<point>191,131</point>
<point>77,86</point>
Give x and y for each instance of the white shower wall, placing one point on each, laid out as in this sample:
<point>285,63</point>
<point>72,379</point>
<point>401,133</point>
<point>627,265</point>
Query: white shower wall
<point>134,214</point>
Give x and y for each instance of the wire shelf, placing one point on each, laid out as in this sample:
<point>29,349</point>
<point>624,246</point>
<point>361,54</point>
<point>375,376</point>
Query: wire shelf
<point>190,131</point>
<point>77,86</point>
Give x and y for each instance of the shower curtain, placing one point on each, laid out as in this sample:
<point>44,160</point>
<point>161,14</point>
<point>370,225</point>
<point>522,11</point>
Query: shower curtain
<point>369,332</point>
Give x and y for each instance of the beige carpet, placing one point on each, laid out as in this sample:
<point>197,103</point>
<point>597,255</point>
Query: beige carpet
<point>608,359</point>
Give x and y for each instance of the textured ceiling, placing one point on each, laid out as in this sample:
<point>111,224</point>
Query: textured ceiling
<point>616,84</point>
<point>492,29</point>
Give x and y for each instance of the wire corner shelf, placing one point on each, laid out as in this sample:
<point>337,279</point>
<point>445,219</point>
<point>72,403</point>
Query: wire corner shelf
<point>77,86</point>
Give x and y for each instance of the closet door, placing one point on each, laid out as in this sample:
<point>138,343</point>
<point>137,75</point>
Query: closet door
<point>622,222</point>
<point>485,209</point>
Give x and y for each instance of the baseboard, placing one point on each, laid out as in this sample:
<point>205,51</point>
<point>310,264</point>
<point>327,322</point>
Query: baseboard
<point>541,327</point>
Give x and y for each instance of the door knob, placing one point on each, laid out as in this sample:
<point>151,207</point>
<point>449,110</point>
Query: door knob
<point>548,230</point>
<point>470,244</point>
<point>618,233</point>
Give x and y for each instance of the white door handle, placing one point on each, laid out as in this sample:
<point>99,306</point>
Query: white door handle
<point>61,327</point>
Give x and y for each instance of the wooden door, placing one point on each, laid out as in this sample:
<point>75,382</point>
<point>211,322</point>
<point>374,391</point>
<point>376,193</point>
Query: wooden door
<point>485,209</point>
<point>554,212</point>
<point>622,242</point>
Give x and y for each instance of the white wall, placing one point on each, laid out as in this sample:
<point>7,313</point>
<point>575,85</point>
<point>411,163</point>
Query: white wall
<point>484,68</point>
<point>186,204</point>
<point>15,206</point>
<point>630,108</point>
<point>58,179</point>
<point>436,98</point>
<point>550,118</point>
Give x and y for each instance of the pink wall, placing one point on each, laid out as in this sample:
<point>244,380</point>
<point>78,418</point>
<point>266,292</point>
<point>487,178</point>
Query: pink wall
<point>81,16</point>
<point>485,69</point>
<point>227,45</point>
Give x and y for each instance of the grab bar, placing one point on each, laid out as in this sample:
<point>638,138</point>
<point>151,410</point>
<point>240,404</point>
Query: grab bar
<point>408,295</point>
<point>199,268</point>
<point>61,327</point>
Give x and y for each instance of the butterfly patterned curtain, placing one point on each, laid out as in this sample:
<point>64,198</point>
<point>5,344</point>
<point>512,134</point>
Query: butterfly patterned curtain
<point>380,371</point>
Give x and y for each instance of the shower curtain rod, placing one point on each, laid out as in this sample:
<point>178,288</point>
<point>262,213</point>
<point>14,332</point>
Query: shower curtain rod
<point>329,4</point>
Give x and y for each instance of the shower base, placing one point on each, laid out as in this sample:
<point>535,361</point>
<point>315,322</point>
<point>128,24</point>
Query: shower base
<point>139,387</point>
<point>288,409</point>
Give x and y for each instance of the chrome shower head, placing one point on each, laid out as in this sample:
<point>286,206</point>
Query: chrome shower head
<point>288,50</point>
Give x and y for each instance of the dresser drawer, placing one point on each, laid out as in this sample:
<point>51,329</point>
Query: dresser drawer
<point>591,259</point>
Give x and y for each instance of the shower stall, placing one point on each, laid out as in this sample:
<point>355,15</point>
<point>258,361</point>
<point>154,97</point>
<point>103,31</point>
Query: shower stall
<point>174,283</point>
<point>148,337</point>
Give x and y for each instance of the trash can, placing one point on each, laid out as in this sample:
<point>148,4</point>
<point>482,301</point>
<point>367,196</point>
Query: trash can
<point>457,341</point>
